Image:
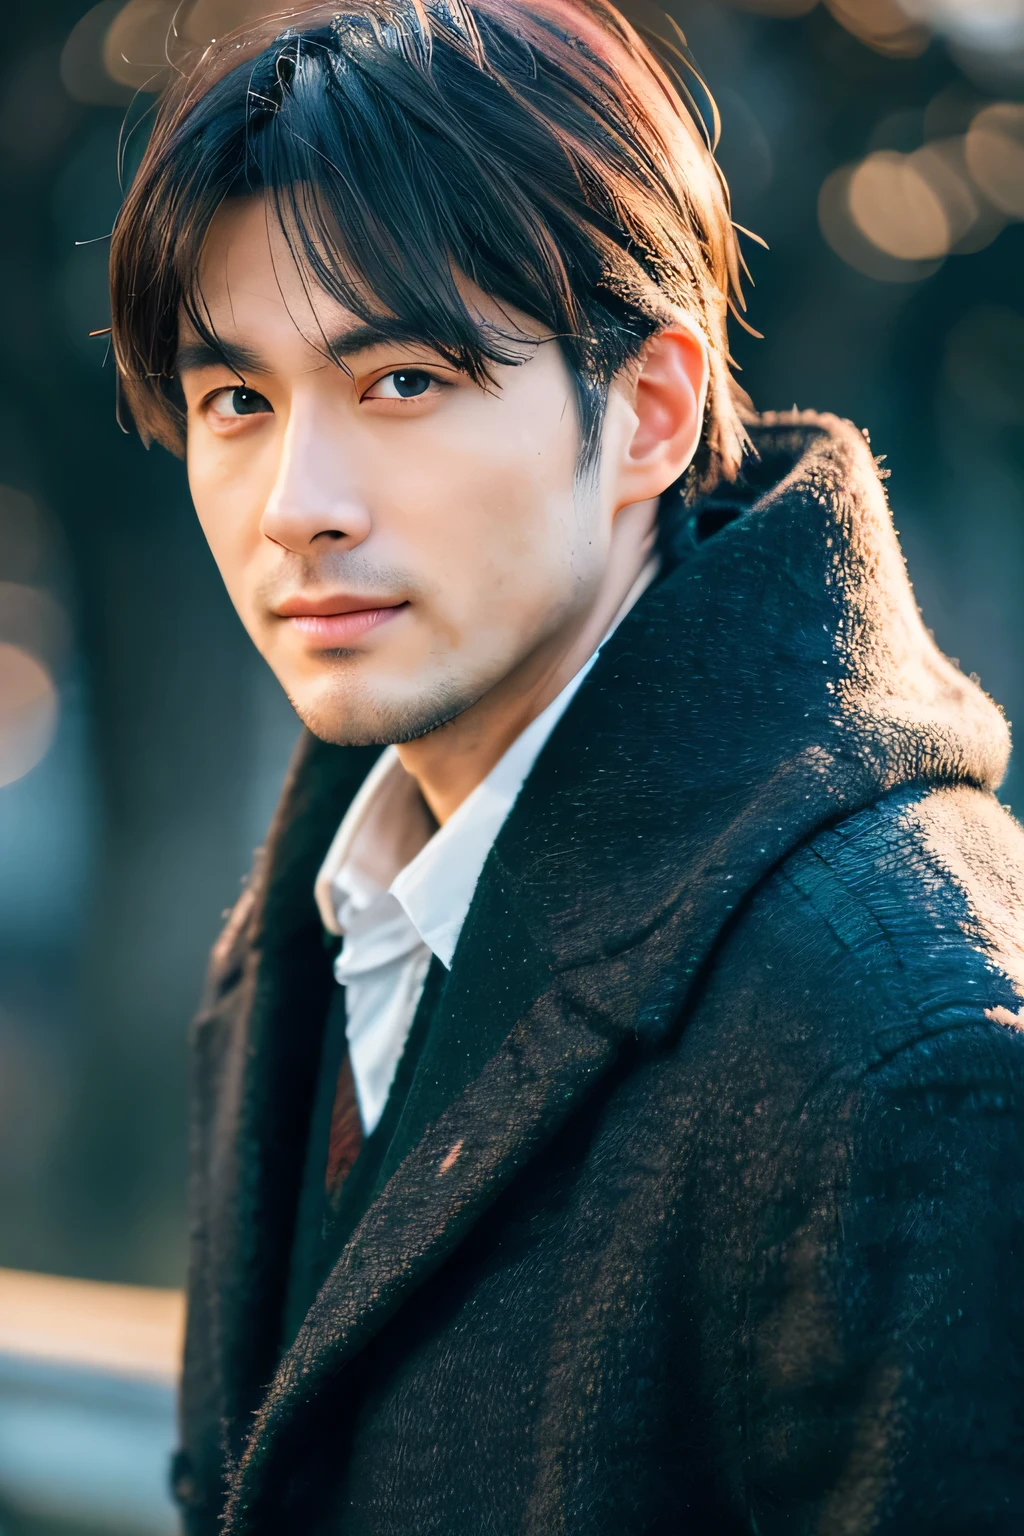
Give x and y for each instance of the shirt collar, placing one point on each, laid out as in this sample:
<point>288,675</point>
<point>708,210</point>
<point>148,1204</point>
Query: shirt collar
<point>389,844</point>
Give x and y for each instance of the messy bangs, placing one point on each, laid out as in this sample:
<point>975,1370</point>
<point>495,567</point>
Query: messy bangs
<point>400,147</point>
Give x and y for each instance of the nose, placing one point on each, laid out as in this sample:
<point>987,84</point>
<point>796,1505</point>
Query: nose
<point>315,498</point>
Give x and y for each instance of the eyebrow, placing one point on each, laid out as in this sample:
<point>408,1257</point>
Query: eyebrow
<point>192,356</point>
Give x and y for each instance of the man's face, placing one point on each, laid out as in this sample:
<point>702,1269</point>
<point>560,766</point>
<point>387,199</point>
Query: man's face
<point>398,539</point>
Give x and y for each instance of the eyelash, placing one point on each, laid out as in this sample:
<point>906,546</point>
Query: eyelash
<point>426,373</point>
<point>221,394</point>
<point>394,373</point>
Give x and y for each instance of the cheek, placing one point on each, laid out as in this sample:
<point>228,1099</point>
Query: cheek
<point>500,482</point>
<point>538,531</point>
<point>227,499</point>
<point>499,538</point>
<point>501,542</point>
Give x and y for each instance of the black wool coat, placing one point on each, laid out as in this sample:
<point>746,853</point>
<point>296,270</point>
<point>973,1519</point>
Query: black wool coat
<point>704,1214</point>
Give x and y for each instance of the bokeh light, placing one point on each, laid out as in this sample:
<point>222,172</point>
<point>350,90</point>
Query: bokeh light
<point>82,68</point>
<point>883,25</point>
<point>28,712</point>
<point>783,8</point>
<point>941,165</point>
<point>849,241</point>
<point>144,39</point>
<point>23,538</point>
<point>994,153</point>
<point>986,24</point>
<point>33,620</point>
<point>35,637</point>
<point>894,205</point>
<point>138,43</point>
<point>952,195</point>
<point>989,31</point>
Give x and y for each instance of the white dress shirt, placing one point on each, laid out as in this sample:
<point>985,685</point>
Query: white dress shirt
<point>398,888</point>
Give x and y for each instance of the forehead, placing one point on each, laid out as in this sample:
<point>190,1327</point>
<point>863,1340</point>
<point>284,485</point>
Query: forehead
<point>257,290</point>
<point>251,283</point>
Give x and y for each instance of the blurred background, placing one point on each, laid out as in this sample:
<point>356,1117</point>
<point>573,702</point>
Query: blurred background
<point>878,148</point>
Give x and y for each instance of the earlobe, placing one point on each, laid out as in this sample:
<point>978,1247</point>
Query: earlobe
<point>668,395</point>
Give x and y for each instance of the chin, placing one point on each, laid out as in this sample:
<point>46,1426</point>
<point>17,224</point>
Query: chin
<point>361,717</point>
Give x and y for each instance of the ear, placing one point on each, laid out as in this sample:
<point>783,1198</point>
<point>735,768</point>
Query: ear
<point>666,396</point>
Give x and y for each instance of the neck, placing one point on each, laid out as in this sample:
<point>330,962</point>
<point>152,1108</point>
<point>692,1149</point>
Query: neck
<point>450,762</point>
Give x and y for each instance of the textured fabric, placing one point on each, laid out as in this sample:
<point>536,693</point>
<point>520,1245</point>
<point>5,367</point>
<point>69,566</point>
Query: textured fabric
<point>329,1209</point>
<point>398,887</point>
<point>704,1211</point>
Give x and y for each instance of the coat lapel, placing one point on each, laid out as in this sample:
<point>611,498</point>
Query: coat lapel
<point>257,1046</point>
<point>780,678</point>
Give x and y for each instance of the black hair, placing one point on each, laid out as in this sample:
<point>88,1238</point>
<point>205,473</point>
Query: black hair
<point>535,148</point>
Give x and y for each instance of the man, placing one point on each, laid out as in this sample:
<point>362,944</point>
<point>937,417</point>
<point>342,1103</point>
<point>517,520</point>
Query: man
<point>656,1165</point>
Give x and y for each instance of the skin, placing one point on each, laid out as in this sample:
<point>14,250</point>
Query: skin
<point>460,570</point>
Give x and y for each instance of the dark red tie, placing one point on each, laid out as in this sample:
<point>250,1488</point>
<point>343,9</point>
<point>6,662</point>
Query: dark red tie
<point>346,1137</point>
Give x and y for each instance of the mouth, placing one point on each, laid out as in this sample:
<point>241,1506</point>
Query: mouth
<point>330,623</point>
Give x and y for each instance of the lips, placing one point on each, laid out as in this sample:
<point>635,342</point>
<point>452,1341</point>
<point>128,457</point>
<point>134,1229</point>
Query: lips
<point>335,621</point>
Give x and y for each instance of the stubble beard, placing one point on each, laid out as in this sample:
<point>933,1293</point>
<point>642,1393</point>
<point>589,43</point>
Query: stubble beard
<point>359,720</point>
<point>348,714</point>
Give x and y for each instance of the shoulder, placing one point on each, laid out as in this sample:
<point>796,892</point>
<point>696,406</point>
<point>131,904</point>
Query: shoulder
<point>924,892</point>
<point>859,1189</point>
<point>899,924</point>
<point>858,1047</point>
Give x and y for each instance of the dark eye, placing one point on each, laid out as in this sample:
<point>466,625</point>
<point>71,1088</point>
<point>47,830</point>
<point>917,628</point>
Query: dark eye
<point>228,404</point>
<point>403,384</point>
<point>409,383</point>
<point>246,402</point>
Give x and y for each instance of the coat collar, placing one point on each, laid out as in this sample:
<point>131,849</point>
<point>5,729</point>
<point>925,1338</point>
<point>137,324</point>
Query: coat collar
<point>269,969</point>
<point>778,679</point>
